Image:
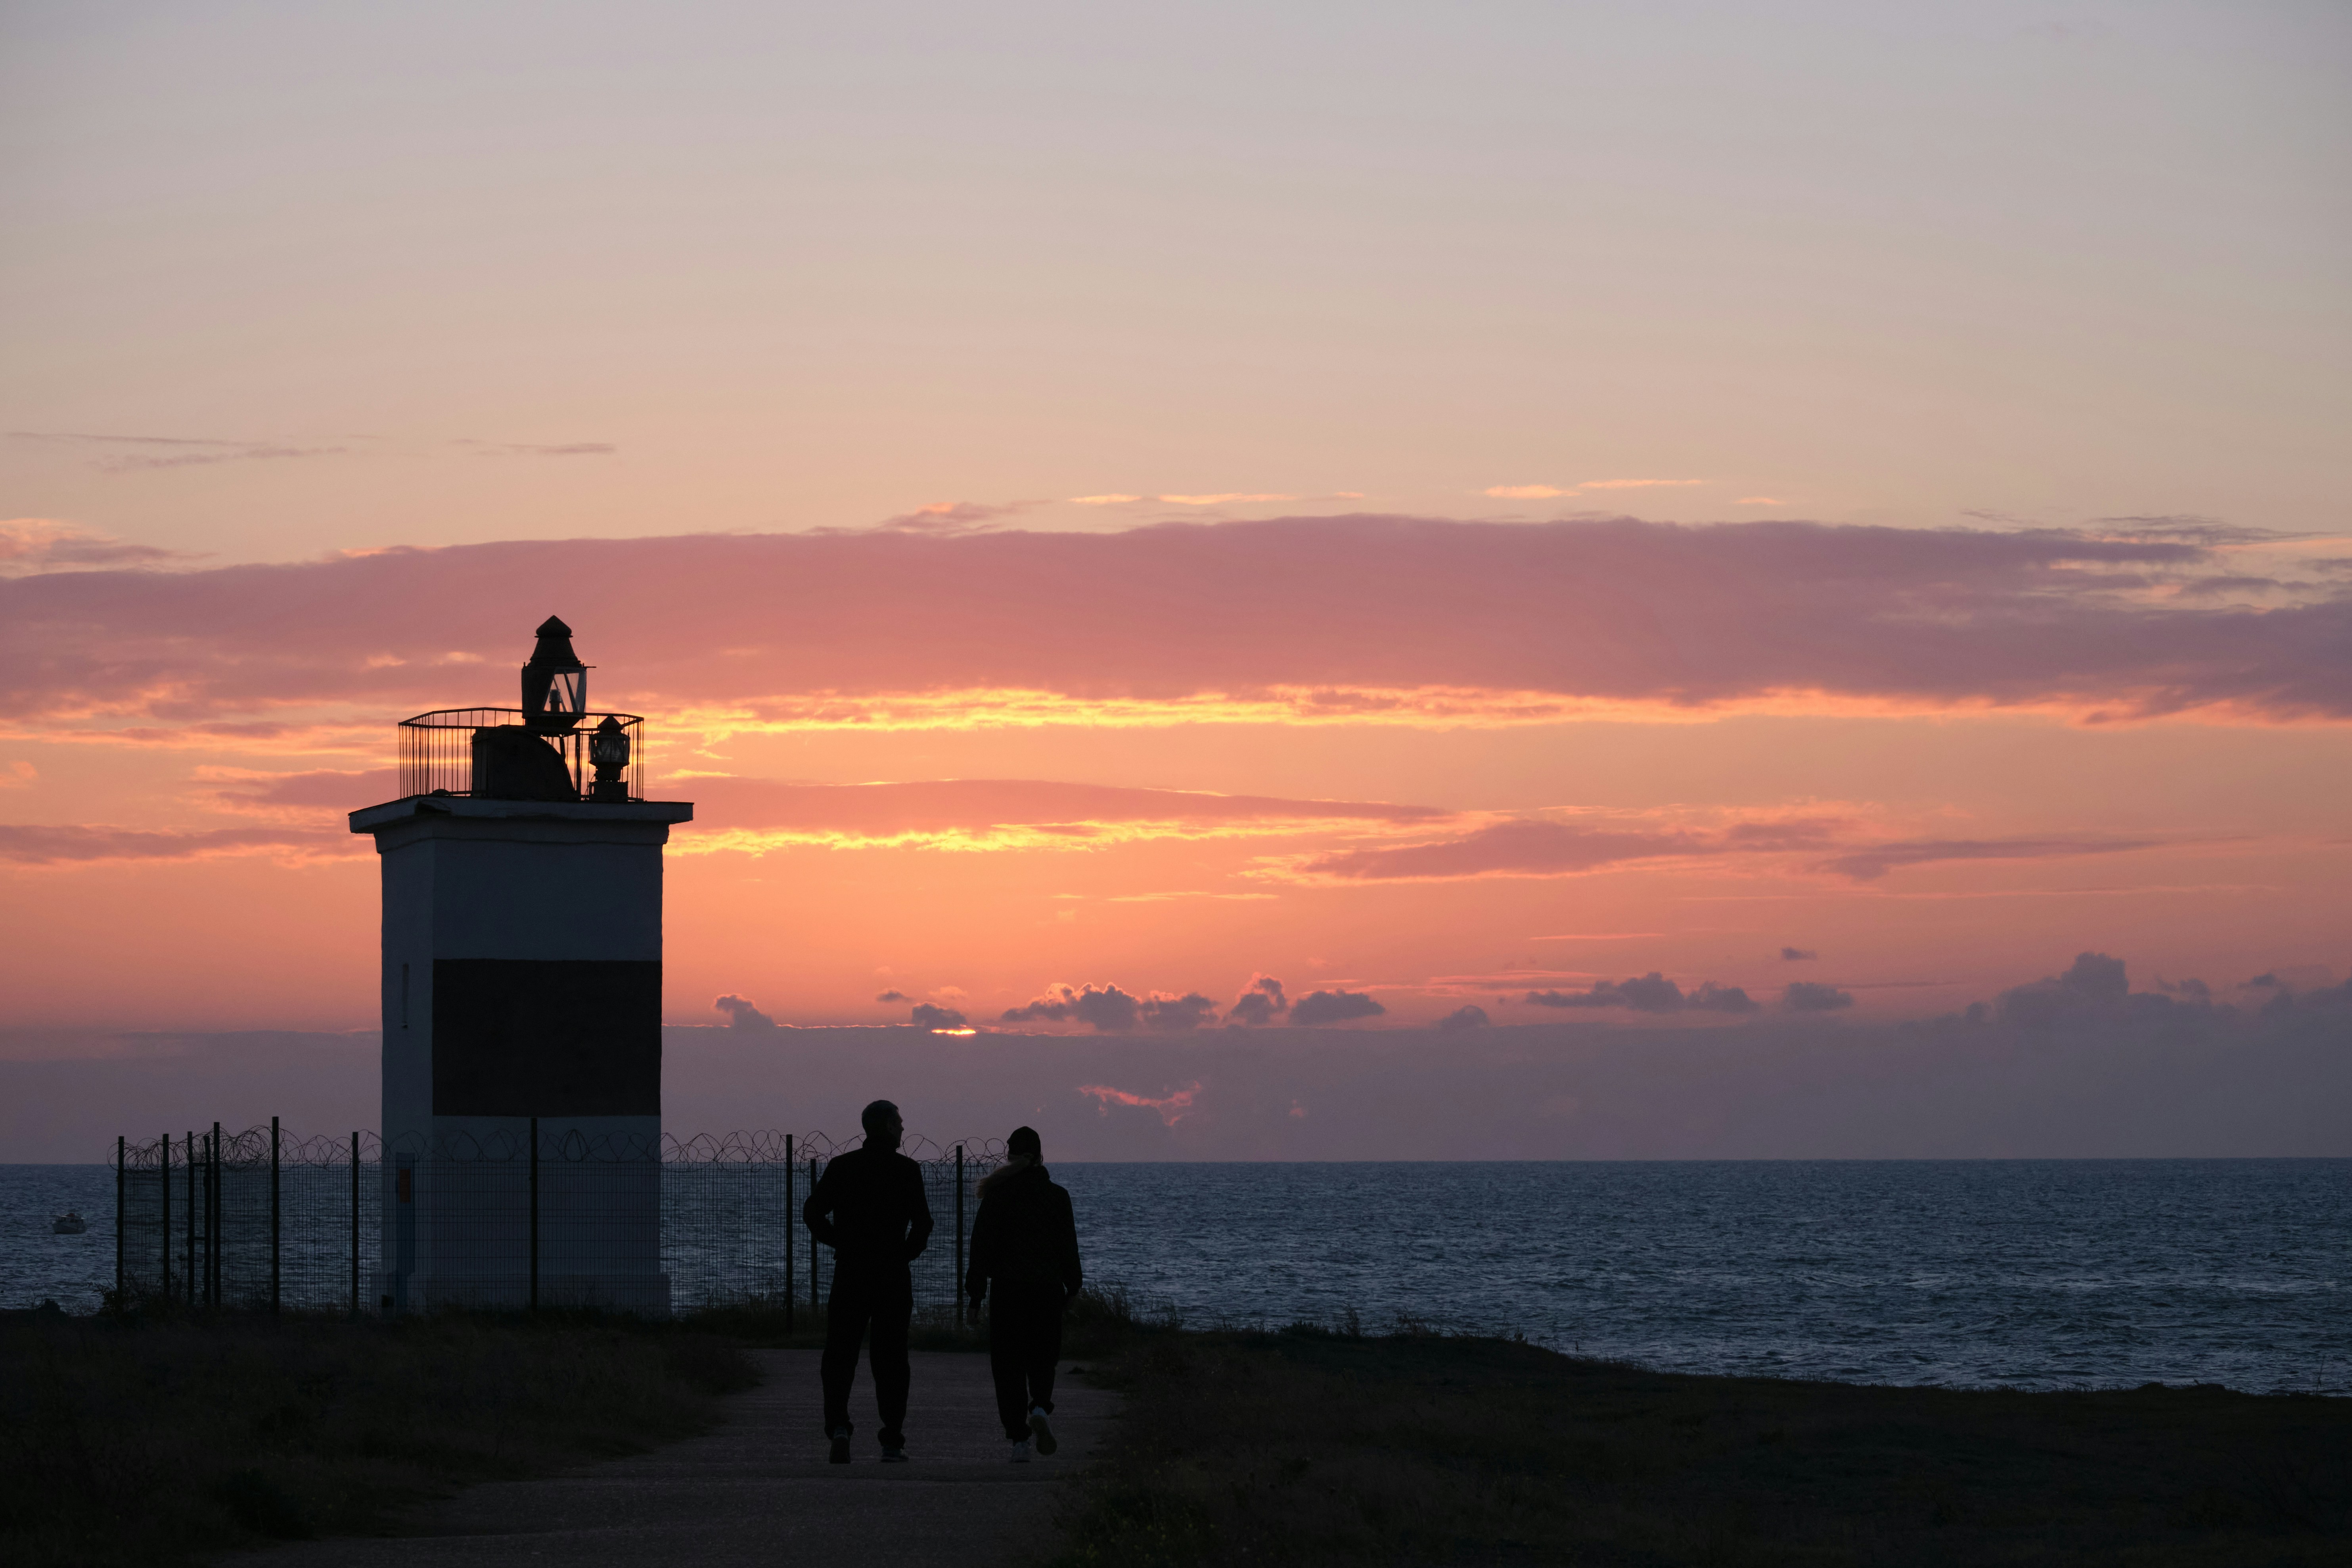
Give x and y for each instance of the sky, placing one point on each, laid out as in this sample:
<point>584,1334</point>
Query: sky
<point>1139,526</point>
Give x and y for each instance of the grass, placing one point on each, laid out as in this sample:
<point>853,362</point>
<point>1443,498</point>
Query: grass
<point>153,1440</point>
<point>149,1440</point>
<point>1309,1446</point>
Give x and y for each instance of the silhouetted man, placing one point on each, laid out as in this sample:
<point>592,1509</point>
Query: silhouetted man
<point>869,1208</point>
<point>1024,1261</point>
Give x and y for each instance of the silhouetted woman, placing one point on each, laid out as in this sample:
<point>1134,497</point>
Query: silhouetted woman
<point>1025,1262</point>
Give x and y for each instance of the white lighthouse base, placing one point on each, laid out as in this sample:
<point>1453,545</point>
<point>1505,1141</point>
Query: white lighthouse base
<point>521,986</point>
<point>459,1218</point>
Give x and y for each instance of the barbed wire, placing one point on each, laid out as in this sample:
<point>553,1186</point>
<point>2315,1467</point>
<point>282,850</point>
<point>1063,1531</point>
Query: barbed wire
<point>249,1148</point>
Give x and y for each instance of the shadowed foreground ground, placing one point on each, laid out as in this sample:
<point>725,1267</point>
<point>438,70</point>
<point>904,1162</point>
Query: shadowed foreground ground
<point>141,1444</point>
<point>757,1489</point>
<point>1315,1447</point>
<point>143,1439</point>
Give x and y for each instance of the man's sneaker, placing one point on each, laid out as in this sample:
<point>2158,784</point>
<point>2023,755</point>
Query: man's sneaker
<point>1020,1450</point>
<point>894,1455</point>
<point>840,1454</point>
<point>1039,1432</point>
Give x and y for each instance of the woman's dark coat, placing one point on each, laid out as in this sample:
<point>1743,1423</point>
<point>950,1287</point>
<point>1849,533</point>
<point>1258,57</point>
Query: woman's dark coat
<point>1023,1235</point>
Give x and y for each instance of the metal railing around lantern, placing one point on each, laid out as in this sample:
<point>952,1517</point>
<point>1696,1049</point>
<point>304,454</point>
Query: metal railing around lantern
<point>437,750</point>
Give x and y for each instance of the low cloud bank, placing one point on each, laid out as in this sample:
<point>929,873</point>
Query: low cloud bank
<point>67,1095</point>
<point>2274,1079</point>
<point>1110,1009</point>
<point>2194,1084</point>
<point>1651,993</point>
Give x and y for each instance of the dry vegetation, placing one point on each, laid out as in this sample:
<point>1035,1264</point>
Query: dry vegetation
<point>1311,1446</point>
<point>125,1440</point>
<point>151,1442</point>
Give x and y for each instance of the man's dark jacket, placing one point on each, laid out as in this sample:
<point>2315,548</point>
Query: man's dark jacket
<point>1023,1235</point>
<point>869,1208</point>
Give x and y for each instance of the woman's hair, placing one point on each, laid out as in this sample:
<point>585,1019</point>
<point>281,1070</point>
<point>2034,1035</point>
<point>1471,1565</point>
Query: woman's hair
<point>1024,1151</point>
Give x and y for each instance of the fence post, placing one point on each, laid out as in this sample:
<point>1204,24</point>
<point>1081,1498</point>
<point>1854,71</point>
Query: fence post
<point>956,1284</point>
<point>273,1217</point>
<point>213,1223</point>
<point>163,1185</point>
<point>355,1224</point>
<point>534,1214</point>
<point>815,1304</point>
<point>195,1285</point>
<point>791,1219</point>
<point>118,1147</point>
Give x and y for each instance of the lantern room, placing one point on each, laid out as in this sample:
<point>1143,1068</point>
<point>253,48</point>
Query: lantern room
<point>549,748</point>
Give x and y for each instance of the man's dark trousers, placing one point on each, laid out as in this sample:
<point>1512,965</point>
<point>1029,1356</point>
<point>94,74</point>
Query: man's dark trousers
<point>1024,1341</point>
<point>880,1297</point>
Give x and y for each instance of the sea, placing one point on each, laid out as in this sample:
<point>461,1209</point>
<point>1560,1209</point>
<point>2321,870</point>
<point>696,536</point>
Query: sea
<point>2031,1273</point>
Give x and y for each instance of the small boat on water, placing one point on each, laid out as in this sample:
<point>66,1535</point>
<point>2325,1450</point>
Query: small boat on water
<point>69,1223</point>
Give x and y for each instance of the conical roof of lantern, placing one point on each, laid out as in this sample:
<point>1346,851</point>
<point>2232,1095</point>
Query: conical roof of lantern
<point>554,644</point>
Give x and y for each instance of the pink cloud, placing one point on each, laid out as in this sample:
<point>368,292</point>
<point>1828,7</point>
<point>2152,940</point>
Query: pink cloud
<point>946,517</point>
<point>1528,848</point>
<point>1350,616</point>
<point>1545,847</point>
<point>78,843</point>
<point>1172,1108</point>
<point>1873,862</point>
<point>315,790</point>
<point>541,448</point>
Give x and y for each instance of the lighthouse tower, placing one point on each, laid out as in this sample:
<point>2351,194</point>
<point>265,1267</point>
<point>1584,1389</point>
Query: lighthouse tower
<point>522,984</point>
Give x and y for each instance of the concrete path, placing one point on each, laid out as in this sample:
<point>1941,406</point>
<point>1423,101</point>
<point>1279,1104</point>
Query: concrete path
<point>757,1491</point>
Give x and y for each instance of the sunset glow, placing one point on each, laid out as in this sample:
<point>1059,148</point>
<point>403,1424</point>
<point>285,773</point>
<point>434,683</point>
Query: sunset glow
<point>1238,554</point>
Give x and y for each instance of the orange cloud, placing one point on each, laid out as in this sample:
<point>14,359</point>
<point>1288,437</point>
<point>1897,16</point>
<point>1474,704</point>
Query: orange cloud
<point>755,815</point>
<point>30,545</point>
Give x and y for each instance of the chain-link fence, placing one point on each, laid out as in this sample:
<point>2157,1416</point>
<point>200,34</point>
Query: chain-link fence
<point>262,1218</point>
